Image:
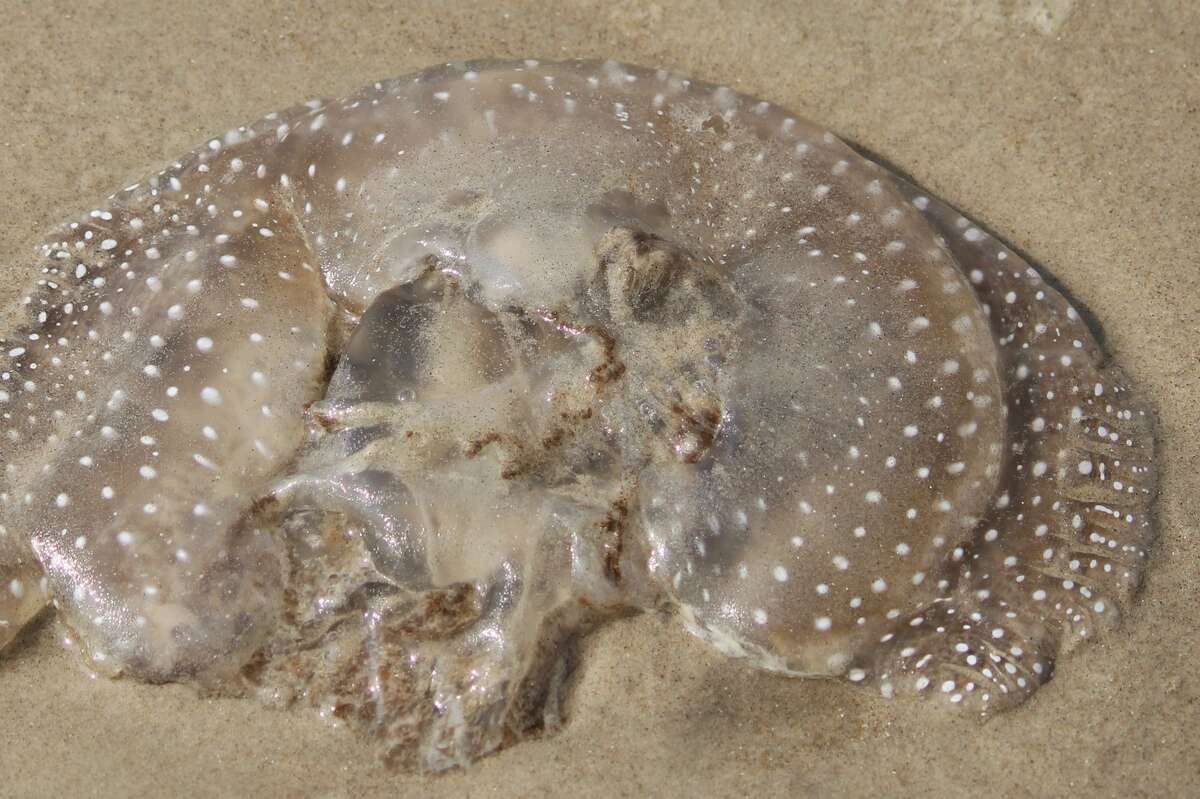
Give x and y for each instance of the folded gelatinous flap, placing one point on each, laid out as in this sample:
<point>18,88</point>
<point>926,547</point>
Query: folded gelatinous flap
<point>139,520</point>
<point>440,562</point>
<point>859,442</point>
<point>445,417</point>
<point>422,342</point>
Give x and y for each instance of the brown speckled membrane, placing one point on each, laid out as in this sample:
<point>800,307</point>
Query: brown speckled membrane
<point>378,403</point>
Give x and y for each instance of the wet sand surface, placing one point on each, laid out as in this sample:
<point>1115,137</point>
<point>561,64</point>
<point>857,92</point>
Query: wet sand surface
<point>1072,129</point>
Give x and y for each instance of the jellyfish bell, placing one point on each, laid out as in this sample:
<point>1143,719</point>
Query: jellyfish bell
<point>379,403</point>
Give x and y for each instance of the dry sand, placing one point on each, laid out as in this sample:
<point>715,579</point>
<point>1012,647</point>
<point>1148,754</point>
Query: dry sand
<point>1075,136</point>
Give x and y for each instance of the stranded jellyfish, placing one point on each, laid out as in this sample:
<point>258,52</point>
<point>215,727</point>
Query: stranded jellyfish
<point>379,403</point>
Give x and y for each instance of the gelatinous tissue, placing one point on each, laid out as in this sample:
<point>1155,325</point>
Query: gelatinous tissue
<point>379,403</point>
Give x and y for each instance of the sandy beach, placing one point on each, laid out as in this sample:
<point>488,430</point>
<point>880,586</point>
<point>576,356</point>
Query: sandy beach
<point>1072,129</point>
